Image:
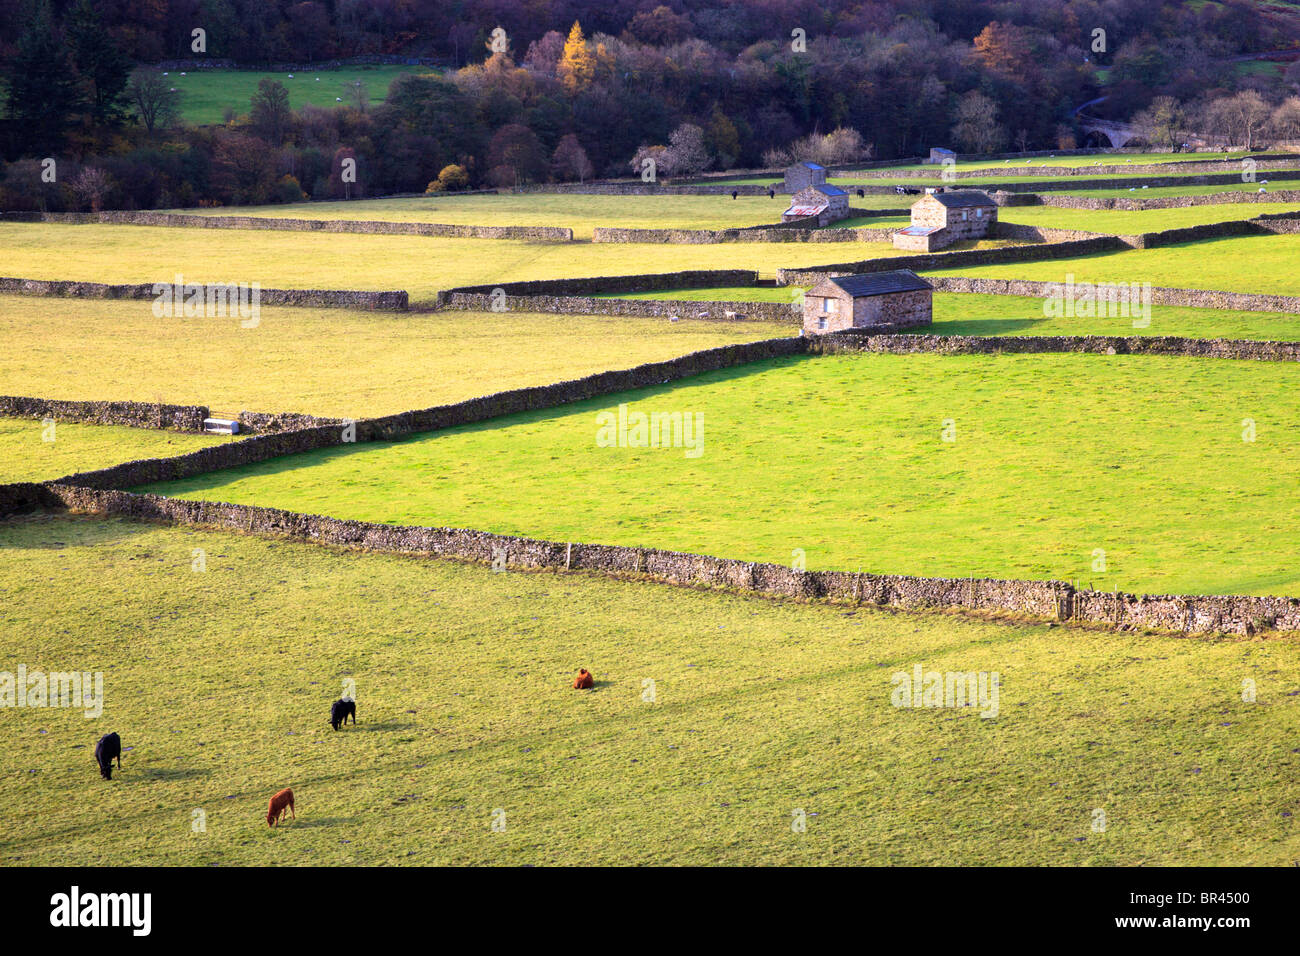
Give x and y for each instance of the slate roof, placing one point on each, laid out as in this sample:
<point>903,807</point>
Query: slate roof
<point>964,197</point>
<point>811,165</point>
<point>828,190</point>
<point>880,283</point>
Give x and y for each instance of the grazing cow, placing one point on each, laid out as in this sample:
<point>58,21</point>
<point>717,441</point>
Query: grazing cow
<point>771,194</point>
<point>900,191</point>
<point>584,680</point>
<point>341,709</point>
<point>279,803</point>
<point>862,193</point>
<point>735,193</point>
<point>109,746</point>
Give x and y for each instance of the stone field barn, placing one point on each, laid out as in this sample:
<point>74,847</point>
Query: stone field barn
<point>900,299</point>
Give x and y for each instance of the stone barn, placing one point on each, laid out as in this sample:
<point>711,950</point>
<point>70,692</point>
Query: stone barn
<point>827,203</point>
<point>900,299</point>
<point>940,219</point>
<point>802,175</point>
<point>938,154</point>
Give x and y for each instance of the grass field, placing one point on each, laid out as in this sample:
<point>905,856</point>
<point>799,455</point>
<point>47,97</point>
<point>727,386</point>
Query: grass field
<point>30,451</point>
<point>1158,191</point>
<point>1038,162</point>
<point>332,362</point>
<point>965,314</point>
<point>996,175</point>
<point>1264,264</point>
<point>296,260</point>
<point>579,213</point>
<point>760,709</point>
<point>1054,456</point>
<point>1124,222</point>
<point>207,94</point>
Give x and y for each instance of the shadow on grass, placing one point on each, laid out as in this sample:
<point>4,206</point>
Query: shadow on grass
<point>165,775</point>
<point>991,326</point>
<point>313,822</point>
<point>589,406</point>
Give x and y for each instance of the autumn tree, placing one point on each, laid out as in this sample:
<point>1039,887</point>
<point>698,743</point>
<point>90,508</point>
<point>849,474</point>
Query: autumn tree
<point>1005,48</point>
<point>577,65</point>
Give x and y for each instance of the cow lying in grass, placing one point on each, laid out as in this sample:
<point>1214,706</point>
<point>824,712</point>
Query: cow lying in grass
<point>279,803</point>
<point>109,746</point>
<point>584,680</point>
<point>341,709</point>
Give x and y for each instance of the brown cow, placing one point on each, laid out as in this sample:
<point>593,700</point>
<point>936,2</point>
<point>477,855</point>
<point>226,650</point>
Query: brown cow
<point>279,803</point>
<point>584,680</point>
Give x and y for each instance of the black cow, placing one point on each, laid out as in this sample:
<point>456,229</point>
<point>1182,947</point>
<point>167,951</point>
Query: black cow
<point>771,194</point>
<point>340,710</point>
<point>735,193</point>
<point>109,746</point>
<point>862,193</point>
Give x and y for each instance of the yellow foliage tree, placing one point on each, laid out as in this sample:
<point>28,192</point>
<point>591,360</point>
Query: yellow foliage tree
<point>577,65</point>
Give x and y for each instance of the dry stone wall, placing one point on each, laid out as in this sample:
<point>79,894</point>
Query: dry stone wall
<point>1196,298</point>
<point>775,233</point>
<point>948,260</point>
<point>650,308</point>
<point>614,285</point>
<point>387,428</point>
<point>1157,202</point>
<point>1053,600</point>
<point>185,418</point>
<point>397,300</point>
<point>364,226</point>
<point>1249,349</point>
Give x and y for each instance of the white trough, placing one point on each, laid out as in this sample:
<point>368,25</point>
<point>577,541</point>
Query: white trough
<point>220,426</point>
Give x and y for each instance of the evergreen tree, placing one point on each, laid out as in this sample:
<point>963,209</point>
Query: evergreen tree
<point>103,67</point>
<point>43,89</point>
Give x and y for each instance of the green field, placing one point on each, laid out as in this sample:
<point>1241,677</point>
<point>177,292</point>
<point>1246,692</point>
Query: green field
<point>31,451</point>
<point>332,362</point>
<point>1054,456</point>
<point>1264,264</point>
<point>1125,222</point>
<point>464,708</point>
<point>580,213</point>
<point>207,94</point>
<point>999,175</point>
<point>1156,192</point>
<point>296,260</point>
<point>968,314</point>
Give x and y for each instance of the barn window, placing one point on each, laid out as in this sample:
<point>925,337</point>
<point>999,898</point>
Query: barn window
<point>979,213</point>
<point>821,324</point>
<point>965,214</point>
<point>830,305</point>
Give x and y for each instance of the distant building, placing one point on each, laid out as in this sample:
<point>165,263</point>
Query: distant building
<point>827,203</point>
<point>900,299</point>
<point>940,219</point>
<point>801,175</point>
<point>938,154</point>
